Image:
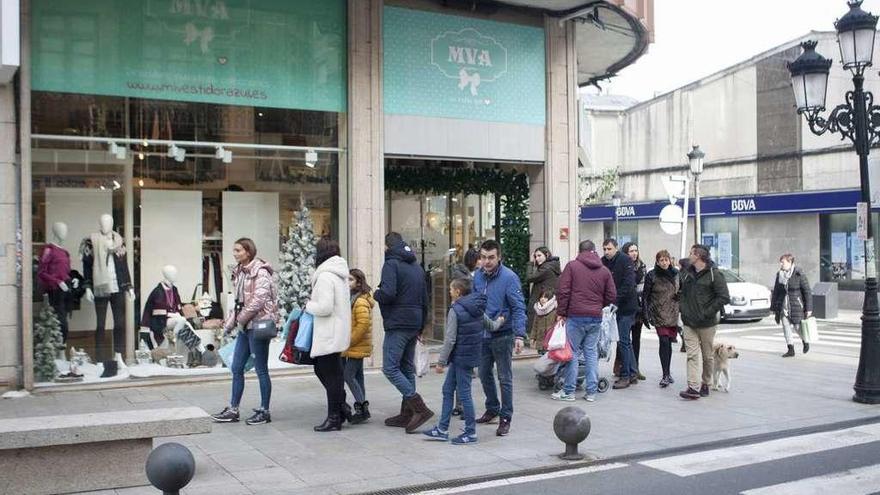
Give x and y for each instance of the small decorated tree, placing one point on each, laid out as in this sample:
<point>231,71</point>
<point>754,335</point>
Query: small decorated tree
<point>48,341</point>
<point>297,262</point>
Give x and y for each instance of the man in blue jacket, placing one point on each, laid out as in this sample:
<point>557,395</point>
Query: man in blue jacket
<point>403,301</point>
<point>504,296</point>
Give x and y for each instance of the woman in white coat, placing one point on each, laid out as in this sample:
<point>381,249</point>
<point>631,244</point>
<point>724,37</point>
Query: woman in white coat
<point>331,306</point>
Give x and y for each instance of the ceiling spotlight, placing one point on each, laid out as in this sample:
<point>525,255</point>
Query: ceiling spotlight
<point>116,185</point>
<point>117,150</point>
<point>141,182</point>
<point>223,154</point>
<point>177,153</point>
<point>140,156</point>
<point>311,158</point>
<point>146,143</point>
<point>103,188</point>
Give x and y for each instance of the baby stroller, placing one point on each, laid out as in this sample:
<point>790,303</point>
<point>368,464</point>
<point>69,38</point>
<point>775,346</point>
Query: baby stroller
<point>555,378</point>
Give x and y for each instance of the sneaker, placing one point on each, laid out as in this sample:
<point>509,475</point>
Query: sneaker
<point>436,434</point>
<point>561,395</point>
<point>704,390</point>
<point>464,439</point>
<point>622,383</point>
<point>689,394</point>
<point>503,427</point>
<point>487,418</point>
<point>227,415</point>
<point>260,417</point>
<point>590,397</point>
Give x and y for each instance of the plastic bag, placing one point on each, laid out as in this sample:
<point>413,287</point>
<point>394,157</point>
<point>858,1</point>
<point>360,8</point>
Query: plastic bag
<point>558,336</point>
<point>545,366</point>
<point>303,340</point>
<point>228,351</point>
<point>609,323</point>
<point>423,362</point>
<point>810,330</point>
<point>563,355</point>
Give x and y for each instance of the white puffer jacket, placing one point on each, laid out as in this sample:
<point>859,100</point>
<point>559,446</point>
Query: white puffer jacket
<point>331,306</point>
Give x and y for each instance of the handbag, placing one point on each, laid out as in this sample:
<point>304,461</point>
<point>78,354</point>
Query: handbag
<point>304,335</point>
<point>810,330</point>
<point>264,330</point>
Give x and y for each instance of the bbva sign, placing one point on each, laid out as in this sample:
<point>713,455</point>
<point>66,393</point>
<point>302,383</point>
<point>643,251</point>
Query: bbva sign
<point>743,205</point>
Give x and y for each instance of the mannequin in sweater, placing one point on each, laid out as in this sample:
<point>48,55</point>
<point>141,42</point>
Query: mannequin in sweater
<point>54,274</point>
<point>162,313</point>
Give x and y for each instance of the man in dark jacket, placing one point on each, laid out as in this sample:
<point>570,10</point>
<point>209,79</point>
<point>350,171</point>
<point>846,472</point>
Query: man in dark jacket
<point>703,295</point>
<point>403,301</point>
<point>624,274</point>
<point>585,287</point>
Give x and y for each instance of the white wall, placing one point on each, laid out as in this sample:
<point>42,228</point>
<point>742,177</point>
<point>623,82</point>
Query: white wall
<point>171,234</point>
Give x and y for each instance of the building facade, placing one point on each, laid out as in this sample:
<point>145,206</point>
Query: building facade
<point>769,186</point>
<point>150,133</point>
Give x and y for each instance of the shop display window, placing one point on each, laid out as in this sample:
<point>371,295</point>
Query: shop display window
<point>626,232</point>
<point>841,253</point>
<point>721,236</point>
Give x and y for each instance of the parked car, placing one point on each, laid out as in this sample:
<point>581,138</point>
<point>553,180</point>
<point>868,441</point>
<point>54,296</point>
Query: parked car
<point>748,301</point>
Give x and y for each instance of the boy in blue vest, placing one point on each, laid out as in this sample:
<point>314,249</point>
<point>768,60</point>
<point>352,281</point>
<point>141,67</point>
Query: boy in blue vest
<point>462,344</point>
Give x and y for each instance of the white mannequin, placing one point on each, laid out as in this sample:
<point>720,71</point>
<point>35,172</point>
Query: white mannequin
<point>175,321</point>
<point>59,234</point>
<point>106,225</point>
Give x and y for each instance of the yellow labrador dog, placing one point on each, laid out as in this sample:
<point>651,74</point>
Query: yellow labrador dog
<point>723,354</point>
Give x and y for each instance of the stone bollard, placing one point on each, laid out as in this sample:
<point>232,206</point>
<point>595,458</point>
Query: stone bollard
<point>170,467</point>
<point>572,426</point>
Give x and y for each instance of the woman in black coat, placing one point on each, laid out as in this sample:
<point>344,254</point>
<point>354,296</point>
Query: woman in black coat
<point>792,301</point>
<point>543,274</point>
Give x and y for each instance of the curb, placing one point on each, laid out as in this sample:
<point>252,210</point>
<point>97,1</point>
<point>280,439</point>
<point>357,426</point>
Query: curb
<point>629,458</point>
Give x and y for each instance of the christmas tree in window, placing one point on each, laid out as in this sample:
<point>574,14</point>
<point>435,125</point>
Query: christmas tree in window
<point>297,260</point>
<point>47,343</point>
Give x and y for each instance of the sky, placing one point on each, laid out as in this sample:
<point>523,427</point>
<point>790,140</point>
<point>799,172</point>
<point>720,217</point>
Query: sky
<point>696,38</point>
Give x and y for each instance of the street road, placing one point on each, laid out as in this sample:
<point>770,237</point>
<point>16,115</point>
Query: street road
<point>842,461</point>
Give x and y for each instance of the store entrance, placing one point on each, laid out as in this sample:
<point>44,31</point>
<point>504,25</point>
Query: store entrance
<point>440,228</point>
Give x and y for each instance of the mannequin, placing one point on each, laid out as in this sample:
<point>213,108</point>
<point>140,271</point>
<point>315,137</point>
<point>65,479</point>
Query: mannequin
<point>107,281</point>
<point>161,313</point>
<point>54,275</point>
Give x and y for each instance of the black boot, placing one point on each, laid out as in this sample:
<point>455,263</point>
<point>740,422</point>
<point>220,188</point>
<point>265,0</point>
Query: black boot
<point>806,347</point>
<point>365,409</point>
<point>790,352</point>
<point>346,413</point>
<point>358,416</point>
<point>110,369</point>
<point>332,423</point>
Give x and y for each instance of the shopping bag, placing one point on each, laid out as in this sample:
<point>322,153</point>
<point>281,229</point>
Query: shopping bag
<point>422,359</point>
<point>304,334</point>
<point>228,351</point>
<point>563,355</point>
<point>545,366</point>
<point>290,354</point>
<point>810,330</point>
<point>609,324</point>
<point>557,337</point>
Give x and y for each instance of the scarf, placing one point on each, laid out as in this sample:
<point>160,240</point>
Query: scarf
<point>101,254</point>
<point>783,277</point>
<point>544,310</point>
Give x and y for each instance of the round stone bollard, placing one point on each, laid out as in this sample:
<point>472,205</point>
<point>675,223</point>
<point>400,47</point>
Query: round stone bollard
<point>572,426</point>
<point>170,467</point>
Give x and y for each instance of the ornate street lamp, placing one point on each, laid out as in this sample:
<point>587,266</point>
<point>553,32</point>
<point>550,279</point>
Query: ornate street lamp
<point>615,201</point>
<point>859,120</point>
<point>695,161</point>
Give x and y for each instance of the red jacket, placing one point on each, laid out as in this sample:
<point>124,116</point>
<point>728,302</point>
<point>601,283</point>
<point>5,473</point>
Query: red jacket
<point>585,287</point>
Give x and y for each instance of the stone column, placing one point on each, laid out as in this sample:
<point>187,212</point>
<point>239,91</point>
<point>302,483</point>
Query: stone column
<point>558,180</point>
<point>10,343</point>
<point>365,157</point>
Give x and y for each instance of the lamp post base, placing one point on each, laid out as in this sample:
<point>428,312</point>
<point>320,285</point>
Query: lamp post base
<point>867,386</point>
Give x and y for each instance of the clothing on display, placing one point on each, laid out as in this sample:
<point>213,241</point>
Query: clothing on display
<point>117,307</point>
<point>211,262</point>
<point>105,270</point>
<point>161,301</point>
<point>54,269</point>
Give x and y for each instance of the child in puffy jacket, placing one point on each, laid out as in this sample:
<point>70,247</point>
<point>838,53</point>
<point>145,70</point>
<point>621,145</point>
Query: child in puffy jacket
<point>361,343</point>
<point>545,318</point>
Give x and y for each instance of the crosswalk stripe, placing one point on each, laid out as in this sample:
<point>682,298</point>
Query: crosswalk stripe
<point>831,338</point>
<point>861,481</point>
<point>821,342</point>
<point>525,479</point>
<point>744,455</point>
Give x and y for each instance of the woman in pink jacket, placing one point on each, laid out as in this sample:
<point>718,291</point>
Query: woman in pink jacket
<point>255,300</point>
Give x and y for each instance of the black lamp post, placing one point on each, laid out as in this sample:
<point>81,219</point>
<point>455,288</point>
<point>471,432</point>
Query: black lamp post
<point>859,120</point>
<point>695,161</point>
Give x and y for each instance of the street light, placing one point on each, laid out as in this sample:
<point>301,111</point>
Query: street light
<point>695,160</point>
<point>615,200</point>
<point>859,120</point>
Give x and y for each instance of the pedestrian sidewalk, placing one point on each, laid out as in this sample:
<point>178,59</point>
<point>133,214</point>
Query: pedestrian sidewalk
<point>769,394</point>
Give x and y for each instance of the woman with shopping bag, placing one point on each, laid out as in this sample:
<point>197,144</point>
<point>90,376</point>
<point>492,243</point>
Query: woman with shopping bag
<point>792,302</point>
<point>330,304</point>
<point>252,321</point>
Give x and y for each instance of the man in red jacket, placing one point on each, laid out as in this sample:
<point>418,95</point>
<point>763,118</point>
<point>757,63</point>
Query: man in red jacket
<point>585,287</point>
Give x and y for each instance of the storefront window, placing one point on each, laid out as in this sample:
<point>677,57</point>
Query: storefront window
<point>624,231</point>
<point>841,253</point>
<point>721,235</point>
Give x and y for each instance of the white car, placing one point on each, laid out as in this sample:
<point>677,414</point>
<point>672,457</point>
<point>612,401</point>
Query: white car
<point>748,301</point>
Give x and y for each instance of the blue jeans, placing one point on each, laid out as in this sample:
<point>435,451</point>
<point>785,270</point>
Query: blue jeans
<point>583,335</point>
<point>353,369</point>
<point>498,352</point>
<point>628,367</point>
<point>245,345</point>
<point>458,380</point>
<point>398,361</point>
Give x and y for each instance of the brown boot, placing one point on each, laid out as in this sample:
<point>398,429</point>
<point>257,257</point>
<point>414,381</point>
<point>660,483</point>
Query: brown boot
<point>420,413</point>
<point>402,419</point>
